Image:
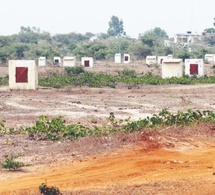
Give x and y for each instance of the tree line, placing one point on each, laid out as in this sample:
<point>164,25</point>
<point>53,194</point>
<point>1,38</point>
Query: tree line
<point>31,43</point>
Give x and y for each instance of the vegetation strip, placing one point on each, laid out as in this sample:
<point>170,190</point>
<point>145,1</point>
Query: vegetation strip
<point>57,129</point>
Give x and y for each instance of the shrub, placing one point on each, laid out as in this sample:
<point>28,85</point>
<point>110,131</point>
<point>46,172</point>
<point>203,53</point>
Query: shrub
<point>10,163</point>
<point>44,189</point>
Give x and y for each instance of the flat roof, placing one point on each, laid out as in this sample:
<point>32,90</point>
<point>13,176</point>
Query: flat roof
<point>172,60</point>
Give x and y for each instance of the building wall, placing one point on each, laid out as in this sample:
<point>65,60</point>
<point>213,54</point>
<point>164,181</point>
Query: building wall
<point>90,59</point>
<point>210,57</point>
<point>172,68</point>
<point>69,61</point>
<point>200,64</point>
<point>151,60</point>
<point>32,75</point>
<point>42,61</point>
<point>117,58</point>
<point>57,59</point>
<point>128,57</point>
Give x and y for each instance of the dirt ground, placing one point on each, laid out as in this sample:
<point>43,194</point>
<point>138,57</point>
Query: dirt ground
<point>170,161</point>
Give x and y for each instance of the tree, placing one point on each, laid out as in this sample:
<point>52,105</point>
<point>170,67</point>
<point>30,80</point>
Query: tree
<point>115,27</point>
<point>140,51</point>
<point>183,55</point>
<point>157,32</point>
<point>148,40</point>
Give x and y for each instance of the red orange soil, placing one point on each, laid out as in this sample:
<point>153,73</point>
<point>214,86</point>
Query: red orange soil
<point>174,161</point>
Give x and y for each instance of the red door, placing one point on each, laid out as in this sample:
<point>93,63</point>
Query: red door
<point>86,63</point>
<point>194,69</point>
<point>21,74</point>
<point>126,58</point>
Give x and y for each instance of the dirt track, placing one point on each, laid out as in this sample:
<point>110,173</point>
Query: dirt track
<point>174,161</point>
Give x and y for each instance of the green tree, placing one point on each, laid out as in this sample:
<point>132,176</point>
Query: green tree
<point>184,55</point>
<point>157,32</point>
<point>99,51</point>
<point>115,27</point>
<point>148,40</point>
<point>140,51</point>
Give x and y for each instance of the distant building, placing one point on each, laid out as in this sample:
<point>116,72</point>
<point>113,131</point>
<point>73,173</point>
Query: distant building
<point>210,57</point>
<point>188,37</point>
<point>69,61</point>
<point>209,32</point>
<point>42,61</point>
<point>57,61</point>
<point>167,43</point>
<point>117,58</point>
<point>127,58</point>
<point>87,62</point>
<point>150,60</point>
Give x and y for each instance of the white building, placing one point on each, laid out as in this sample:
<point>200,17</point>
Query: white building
<point>57,61</point>
<point>172,68</point>
<point>87,62</point>
<point>69,61</point>
<point>210,57</point>
<point>127,58</point>
<point>188,37</point>
<point>170,56</point>
<point>160,59</point>
<point>117,58</point>
<point>150,60</point>
<point>194,67</point>
<point>23,75</point>
<point>42,61</point>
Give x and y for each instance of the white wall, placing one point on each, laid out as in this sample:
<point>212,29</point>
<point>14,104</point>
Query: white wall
<point>151,60</point>
<point>42,61</point>
<point>172,68</point>
<point>200,64</point>
<point>58,59</point>
<point>129,58</point>
<point>32,82</point>
<point>117,58</point>
<point>90,59</point>
<point>69,61</point>
<point>210,57</point>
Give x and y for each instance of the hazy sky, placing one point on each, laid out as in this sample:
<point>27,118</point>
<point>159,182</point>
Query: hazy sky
<point>81,16</point>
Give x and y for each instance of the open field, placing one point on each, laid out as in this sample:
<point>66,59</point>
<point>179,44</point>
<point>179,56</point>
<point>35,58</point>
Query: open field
<point>176,160</point>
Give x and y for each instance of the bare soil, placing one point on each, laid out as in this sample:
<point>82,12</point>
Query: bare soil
<point>168,161</point>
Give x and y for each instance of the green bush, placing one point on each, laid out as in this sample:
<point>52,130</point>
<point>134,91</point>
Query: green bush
<point>45,190</point>
<point>74,70</point>
<point>10,163</point>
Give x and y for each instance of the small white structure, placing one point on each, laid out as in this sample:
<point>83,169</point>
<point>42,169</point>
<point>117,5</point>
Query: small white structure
<point>57,61</point>
<point>160,59</point>
<point>69,61</point>
<point>23,74</point>
<point>170,56</point>
<point>42,61</point>
<point>194,67</point>
<point>127,58</point>
<point>210,57</point>
<point>87,62</point>
<point>117,58</point>
<point>172,68</point>
<point>150,60</point>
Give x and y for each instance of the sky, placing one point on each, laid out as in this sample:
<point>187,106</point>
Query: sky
<point>81,16</point>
